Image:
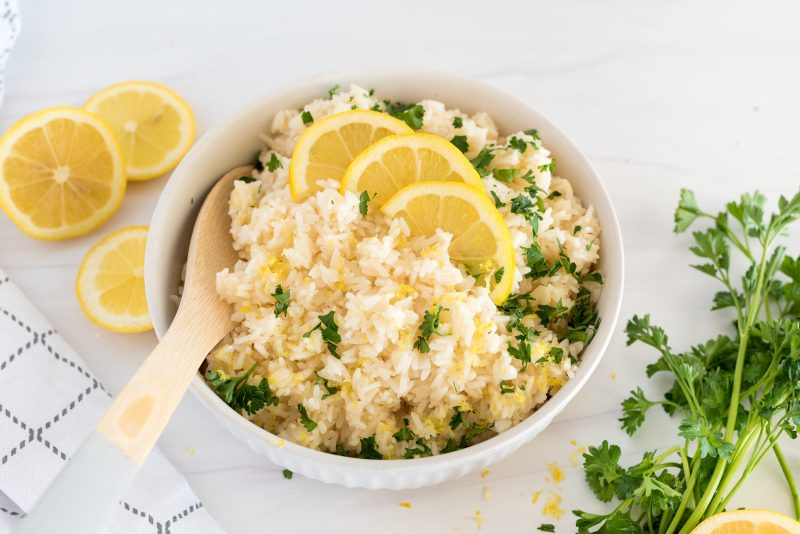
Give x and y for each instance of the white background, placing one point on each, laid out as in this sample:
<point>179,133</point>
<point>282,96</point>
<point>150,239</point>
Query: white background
<point>659,95</point>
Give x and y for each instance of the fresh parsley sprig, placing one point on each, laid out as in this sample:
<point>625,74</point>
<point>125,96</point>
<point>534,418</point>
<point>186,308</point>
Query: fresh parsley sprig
<point>330,332</point>
<point>428,327</point>
<point>240,395</point>
<point>736,394</point>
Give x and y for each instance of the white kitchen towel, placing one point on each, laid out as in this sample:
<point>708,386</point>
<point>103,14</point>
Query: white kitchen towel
<point>49,401</point>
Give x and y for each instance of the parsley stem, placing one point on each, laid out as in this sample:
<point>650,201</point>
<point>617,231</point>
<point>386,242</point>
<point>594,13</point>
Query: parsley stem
<point>687,495</point>
<point>787,473</point>
<point>743,448</point>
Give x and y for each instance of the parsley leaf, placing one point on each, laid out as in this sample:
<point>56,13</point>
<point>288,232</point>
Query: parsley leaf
<point>461,143</point>
<point>520,145</point>
<point>369,449</point>
<point>505,175</point>
<point>412,115</point>
<point>498,274</point>
<point>281,300</point>
<point>274,163</point>
<point>306,117</point>
<point>482,160</point>
<point>404,434</point>
<point>240,395</point>
<point>330,332</point>
<point>428,327</point>
<point>247,179</point>
<point>507,387</point>
<point>333,90</point>
<point>458,123</point>
<point>547,527</point>
<point>304,419</point>
<point>363,203</point>
<point>497,202</point>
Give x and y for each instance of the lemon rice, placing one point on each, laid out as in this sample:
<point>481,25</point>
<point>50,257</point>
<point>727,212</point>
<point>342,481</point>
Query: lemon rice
<point>391,325</point>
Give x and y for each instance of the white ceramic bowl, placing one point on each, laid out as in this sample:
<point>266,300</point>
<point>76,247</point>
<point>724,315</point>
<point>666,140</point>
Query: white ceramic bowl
<point>235,142</point>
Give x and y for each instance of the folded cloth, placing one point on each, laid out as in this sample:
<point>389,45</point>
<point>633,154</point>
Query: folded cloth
<point>49,401</point>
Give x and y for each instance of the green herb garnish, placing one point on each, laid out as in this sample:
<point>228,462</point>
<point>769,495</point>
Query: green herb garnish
<point>482,160</point>
<point>505,175</point>
<point>281,300</point>
<point>547,527</point>
<point>240,395</point>
<point>428,327</point>
<point>307,117</point>
<point>369,449</point>
<point>461,143</point>
<point>411,114</point>
<point>498,274</point>
<point>507,387</point>
<point>287,474</point>
<point>274,163</point>
<point>247,179</point>
<point>405,433</point>
<point>497,202</point>
<point>333,90</point>
<point>305,420</point>
<point>736,394</point>
<point>363,203</point>
<point>330,332</point>
<point>548,167</point>
<point>458,123</point>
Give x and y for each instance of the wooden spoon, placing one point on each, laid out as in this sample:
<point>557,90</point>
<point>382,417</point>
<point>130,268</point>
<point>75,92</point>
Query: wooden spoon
<point>81,499</point>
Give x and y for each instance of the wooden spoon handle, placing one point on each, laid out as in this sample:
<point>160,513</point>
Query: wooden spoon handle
<point>138,415</point>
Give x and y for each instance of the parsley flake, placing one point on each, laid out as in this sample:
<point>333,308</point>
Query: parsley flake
<point>287,474</point>
<point>307,117</point>
<point>458,122</point>
<point>240,395</point>
<point>281,300</point>
<point>330,332</point>
<point>429,326</point>
<point>305,420</point>
<point>274,163</point>
<point>333,90</point>
<point>461,143</point>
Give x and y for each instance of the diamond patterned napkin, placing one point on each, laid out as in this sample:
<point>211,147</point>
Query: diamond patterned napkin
<point>49,401</point>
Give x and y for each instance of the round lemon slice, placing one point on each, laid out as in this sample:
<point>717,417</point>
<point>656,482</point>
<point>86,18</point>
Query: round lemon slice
<point>62,173</point>
<point>748,521</point>
<point>110,284</point>
<point>481,241</point>
<point>154,125</point>
<point>328,146</point>
<point>397,161</point>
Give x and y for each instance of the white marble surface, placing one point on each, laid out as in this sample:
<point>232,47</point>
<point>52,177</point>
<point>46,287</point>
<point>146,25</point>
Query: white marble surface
<point>659,95</point>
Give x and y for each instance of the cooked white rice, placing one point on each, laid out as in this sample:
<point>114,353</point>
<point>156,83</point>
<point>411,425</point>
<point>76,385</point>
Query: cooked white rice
<point>379,281</point>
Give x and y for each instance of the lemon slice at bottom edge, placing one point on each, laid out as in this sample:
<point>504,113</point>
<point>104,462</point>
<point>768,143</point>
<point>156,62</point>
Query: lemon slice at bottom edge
<point>748,521</point>
<point>481,240</point>
<point>110,283</point>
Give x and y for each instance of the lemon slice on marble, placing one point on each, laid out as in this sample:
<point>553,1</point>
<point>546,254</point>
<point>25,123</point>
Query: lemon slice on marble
<point>481,240</point>
<point>110,284</point>
<point>328,146</point>
<point>399,160</point>
<point>154,125</point>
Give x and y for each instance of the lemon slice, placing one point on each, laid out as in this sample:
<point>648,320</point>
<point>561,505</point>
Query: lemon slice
<point>62,173</point>
<point>748,521</point>
<point>397,161</point>
<point>154,125</point>
<point>110,284</point>
<point>327,147</point>
<point>481,241</point>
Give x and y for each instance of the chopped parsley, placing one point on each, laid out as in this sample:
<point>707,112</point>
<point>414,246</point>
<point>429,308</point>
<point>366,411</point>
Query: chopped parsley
<point>498,274</point>
<point>369,449</point>
<point>287,474</point>
<point>371,92</point>
<point>410,114</point>
<point>330,332</point>
<point>547,527</point>
<point>507,387</point>
<point>333,90</point>
<point>548,167</point>
<point>240,395</point>
<point>537,264</point>
<point>473,429</point>
<point>458,122</point>
<point>421,449</point>
<point>363,202</point>
<point>307,117</point>
<point>577,229</point>
<point>549,314</point>
<point>482,160</point>
<point>497,202</point>
<point>281,300</point>
<point>429,326</point>
<point>460,142</point>
<point>505,175</point>
<point>305,420</point>
<point>405,433</point>
<point>274,163</point>
<point>533,133</point>
<point>520,145</point>
<point>247,179</point>
<point>331,389</point>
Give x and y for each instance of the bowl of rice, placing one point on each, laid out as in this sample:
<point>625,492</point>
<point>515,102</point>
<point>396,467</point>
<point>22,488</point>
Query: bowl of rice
<point>364,352</point>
